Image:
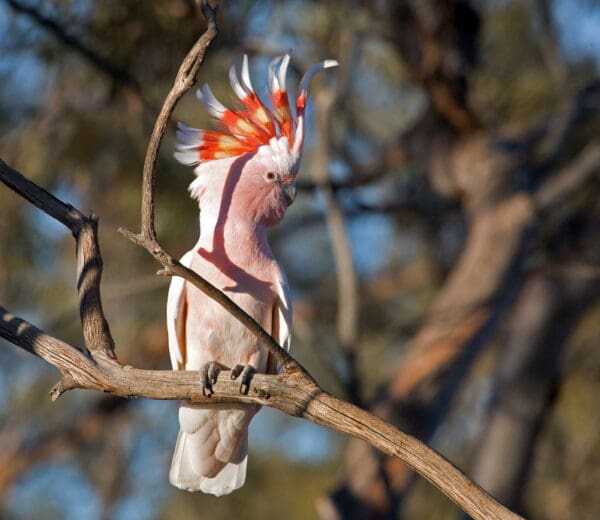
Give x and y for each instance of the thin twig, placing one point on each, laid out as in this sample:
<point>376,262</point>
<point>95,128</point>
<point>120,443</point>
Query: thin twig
<point>550,46</point>
<point>559,187</point>
<point>185,79</point>
<point>118,74</point>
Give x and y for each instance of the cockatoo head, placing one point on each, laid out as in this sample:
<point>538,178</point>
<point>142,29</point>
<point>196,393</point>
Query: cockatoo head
<point>252,163</point>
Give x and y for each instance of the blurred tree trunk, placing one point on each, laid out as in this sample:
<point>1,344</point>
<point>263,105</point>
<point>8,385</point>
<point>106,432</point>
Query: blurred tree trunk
<point>438,42</point>
<point>462,316</point>
<point>528,376</point>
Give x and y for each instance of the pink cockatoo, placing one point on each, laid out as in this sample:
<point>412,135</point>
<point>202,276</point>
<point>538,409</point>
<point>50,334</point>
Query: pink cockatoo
<point>245,180</point>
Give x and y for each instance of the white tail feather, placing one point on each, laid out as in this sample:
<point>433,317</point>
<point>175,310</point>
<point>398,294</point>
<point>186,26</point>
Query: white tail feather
<point>212,447</point>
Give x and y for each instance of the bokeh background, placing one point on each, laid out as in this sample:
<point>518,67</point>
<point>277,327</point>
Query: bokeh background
<point>443,252</point>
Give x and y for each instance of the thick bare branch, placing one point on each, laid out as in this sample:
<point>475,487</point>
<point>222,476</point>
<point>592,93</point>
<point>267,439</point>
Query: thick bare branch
<point>39,197</point>
<point>476,294</point>
<point>528,373</point>
<point>294,394</point>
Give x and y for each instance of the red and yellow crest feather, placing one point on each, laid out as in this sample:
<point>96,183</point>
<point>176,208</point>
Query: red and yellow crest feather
<point>254,124</point>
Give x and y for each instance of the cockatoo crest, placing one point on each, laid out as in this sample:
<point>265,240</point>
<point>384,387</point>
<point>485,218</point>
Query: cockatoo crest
<point>255,125</point>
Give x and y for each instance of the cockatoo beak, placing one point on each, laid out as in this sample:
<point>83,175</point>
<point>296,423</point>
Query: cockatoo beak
<point>289,191</point>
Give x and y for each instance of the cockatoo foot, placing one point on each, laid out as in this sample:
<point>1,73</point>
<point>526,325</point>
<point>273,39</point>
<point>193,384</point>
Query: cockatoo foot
<point>208,377</point>
<point>246,372</point>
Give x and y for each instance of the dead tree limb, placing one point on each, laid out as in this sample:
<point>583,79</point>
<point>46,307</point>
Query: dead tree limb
<point>290,393</point>
<point>96,331</point>
<point>293,392</point>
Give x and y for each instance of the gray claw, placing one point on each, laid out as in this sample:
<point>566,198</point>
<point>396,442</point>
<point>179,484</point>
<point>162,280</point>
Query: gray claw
<point>208,377</point>
<point>247,373</point>
<point>213,372</point>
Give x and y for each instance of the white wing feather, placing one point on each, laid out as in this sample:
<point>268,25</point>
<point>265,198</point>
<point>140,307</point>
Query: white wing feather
<point>176,302</point>
<point>282,315</point>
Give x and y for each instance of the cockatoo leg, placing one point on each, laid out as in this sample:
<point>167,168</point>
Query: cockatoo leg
<point>208,377</point>
<point>246,372</point>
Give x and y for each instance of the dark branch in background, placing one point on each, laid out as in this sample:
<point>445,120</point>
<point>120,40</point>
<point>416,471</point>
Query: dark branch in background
<point>527,376</point>
<point>118,74</point>
<point>426,36</point>
<point>550,45</point>
<point>545,142</point>
<point>476,295</point>
<point>20,454</point>
<point>464,315</point>
<point>293,392</point>
<point>96,331</point>
<point>569,179</point>
<point>555,134</point>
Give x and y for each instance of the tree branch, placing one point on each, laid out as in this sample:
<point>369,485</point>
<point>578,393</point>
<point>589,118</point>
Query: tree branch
<point>569,179</point>
<point>474,298</point>
<point>96,331</point>
<point>103,64</point>
<point>289,393</point>
<point>185,79</point>
<point>293,392</point>
<point>347,284</point>
<point>549,44</point>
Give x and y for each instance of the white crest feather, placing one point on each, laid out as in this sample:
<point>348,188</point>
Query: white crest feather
<point>273,80</point>
<point>281,75</point>
<point>187,137</point>
<point>237,87</point>
<point>212,104</point>
<point>246,74</point>
<point>308,76</point>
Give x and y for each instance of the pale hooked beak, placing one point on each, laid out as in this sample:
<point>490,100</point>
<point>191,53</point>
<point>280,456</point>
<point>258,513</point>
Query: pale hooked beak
<point>289,191</point>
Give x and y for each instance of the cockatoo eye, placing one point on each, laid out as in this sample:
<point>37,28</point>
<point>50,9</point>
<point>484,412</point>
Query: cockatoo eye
<point>271,177</point>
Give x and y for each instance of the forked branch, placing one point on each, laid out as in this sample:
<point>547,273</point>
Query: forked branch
<point>293,392</point>
<point>290,393</point>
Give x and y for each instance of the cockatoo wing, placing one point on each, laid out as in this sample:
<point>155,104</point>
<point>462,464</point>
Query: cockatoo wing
<point>282,319</point>
<point>211,450</point>
<point>176,315</point>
